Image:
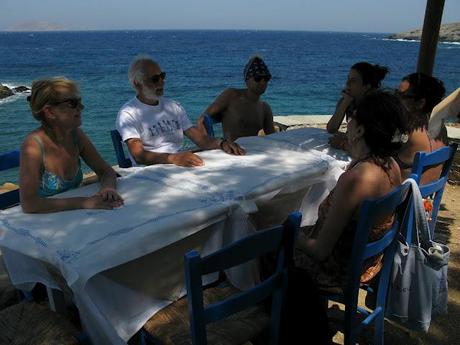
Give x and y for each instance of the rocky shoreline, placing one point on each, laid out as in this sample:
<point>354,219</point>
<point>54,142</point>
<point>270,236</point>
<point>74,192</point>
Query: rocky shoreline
<point>5,91</point>
<point>447,33</point>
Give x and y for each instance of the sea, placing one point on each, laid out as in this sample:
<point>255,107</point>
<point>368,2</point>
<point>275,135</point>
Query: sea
<point>309,70</point>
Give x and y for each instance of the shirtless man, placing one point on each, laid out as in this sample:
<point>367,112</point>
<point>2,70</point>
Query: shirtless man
<point>241,111</point>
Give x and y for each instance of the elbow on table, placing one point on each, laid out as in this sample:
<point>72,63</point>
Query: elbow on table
<point>30,207</point>
<point>331,128</point>
<point>139,158</point>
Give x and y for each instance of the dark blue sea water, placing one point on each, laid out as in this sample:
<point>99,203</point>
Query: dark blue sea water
<point>308,68</point>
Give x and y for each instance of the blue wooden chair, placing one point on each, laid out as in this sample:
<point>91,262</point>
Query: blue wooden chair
<point>371,211</point>
<point>234,316</point>
<point>117,142</point>
<point>8,161</point>
<point>435,189</point>
<point>278,239</point>
<point>209,121</point>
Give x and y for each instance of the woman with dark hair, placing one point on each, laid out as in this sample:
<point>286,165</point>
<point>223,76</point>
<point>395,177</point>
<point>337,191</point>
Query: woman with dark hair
<point>375,131</point>
<point>362,78</point>
<point>419,94</point>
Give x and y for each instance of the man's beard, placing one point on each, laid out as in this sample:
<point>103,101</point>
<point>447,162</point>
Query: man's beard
<point>151,95</point>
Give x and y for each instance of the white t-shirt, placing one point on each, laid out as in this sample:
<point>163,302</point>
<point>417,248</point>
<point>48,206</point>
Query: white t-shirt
<point>160,127</point>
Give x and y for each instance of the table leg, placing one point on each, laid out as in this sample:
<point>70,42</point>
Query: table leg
<point>57,301</point>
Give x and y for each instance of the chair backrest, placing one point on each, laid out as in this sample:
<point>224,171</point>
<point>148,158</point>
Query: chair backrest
<point>8,161</point>
<point>435,189</point>
<point>117,142</point>
<point>279,239</point>
<point>209,121</point>
<point>372,211</point>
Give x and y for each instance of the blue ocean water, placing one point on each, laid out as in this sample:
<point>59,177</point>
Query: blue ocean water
<point>308,68</point>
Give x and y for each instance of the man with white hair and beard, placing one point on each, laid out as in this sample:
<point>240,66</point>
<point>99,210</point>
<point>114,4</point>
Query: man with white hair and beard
<point>153,126</point>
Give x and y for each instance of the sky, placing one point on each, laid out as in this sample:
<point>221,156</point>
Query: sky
<point>386,16</point>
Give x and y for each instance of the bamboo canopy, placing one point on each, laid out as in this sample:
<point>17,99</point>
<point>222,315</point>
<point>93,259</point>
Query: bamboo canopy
<point>430,36</point>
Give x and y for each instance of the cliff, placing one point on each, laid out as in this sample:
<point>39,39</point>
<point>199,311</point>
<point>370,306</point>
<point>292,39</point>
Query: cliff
<point>447,33</point>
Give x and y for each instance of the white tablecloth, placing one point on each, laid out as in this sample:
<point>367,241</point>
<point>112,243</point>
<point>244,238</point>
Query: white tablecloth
<point>124,265</point>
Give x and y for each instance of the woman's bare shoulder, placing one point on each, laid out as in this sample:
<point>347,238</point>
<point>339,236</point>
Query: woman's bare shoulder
<point>364,180</point>
<point>31,138</point>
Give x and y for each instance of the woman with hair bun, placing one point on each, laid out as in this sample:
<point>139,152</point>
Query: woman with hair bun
<point>362,78</point>
<point>375,131</point>
<point>50,155</point>
<point>419,94</point>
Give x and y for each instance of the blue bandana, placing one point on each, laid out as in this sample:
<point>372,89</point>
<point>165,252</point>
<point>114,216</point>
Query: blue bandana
<point>256,66</point>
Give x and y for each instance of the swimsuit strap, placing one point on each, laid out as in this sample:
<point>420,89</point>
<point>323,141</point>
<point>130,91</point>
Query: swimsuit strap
<point>430,140</point>
<point>356,162</point>
<point>366,158</point>
<point>39,141</point>
<point>402,165</point>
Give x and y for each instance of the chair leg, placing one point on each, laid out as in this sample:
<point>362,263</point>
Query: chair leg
<point>57,301</point>
<point>379,329</point>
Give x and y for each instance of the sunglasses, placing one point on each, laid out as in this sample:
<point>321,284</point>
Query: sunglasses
<point>258,78</point>
<point>71,103</point>
<point>156,78</point>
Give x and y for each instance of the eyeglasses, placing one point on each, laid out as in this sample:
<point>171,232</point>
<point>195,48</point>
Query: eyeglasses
<point>156,78</point>
<point>258,78</point>
<point>71,103</point>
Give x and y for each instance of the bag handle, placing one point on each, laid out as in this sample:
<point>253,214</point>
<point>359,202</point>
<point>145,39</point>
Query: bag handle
<point>422,230</point>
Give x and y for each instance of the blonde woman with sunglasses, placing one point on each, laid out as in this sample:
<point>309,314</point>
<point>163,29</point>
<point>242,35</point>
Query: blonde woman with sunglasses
<point>51,154</point>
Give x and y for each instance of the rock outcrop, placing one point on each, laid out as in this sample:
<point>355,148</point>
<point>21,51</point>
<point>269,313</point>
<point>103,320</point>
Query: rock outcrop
<point>5,91</point>
<point>447,33</point>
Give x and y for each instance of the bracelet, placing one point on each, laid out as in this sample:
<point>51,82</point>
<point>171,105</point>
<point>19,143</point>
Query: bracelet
<point>222,144</point>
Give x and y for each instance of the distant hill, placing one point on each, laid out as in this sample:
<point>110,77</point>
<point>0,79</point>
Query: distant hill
<point>36,26</point>
<point>447,33</point>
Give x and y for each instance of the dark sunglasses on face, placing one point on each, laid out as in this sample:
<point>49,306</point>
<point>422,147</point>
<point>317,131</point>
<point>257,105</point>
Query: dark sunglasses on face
<point>71,103</point>
<point>258,78</point>
<point>156,78</point>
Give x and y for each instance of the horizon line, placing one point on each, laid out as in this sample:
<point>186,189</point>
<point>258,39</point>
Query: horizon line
<point>255,30</point>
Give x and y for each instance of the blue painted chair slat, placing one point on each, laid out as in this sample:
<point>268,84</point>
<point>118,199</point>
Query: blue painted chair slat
<point>371,211</point>
<point>9,160</point>
<point>253,246</point>
<point>209,121</point>
<point>435,189</point>
<point>242,301</point>
<point>279,240</point>
<point>117,142</point>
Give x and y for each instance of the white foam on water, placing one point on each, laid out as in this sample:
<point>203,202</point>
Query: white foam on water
<point>12,99</point>
<point>451,43</point>
<point>407,40</point>
<point>399,40</point>
<point>15,96</point>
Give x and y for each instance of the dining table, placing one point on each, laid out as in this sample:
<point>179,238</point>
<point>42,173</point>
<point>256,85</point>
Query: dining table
<point>122,266</point>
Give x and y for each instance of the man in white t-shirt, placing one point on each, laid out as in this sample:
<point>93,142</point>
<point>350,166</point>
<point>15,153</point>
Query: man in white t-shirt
<point>153,126</point>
